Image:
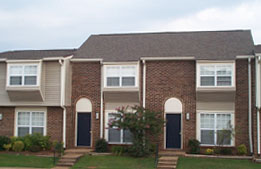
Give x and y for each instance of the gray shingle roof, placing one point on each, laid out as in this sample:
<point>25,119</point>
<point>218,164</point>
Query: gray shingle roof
<point>258,48</point>
<point>203,45</point>
<point>36,54</point>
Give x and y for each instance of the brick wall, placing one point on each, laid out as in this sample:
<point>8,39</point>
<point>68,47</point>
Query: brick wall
<point>7,123</point>
<point>55,123</point>
<point>166,79</point>
<point>86,82</point>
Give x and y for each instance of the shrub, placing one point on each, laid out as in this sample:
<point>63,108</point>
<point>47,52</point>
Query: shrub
<point>37,140</point>
<point>242,149</point>
<point>193,145</point>
<point>4,140</point>
<point>58,147</point>
<point>209,151</point>
<point>18,146</point>
<point>118,150</point>
<point>7,147</point>
<point>101,146</point>
<point>35,148</point>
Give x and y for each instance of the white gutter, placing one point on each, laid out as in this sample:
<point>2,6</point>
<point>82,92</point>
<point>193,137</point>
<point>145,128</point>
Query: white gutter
<point>258,84</point>
<point>86,60</point>
<point>249,106</point>
<point>169,58</point>
<point>144,84</point>
<point>63,76</point>
<point>101,111</point>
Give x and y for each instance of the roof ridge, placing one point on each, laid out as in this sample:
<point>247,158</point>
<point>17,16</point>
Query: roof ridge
<point>174,32</point>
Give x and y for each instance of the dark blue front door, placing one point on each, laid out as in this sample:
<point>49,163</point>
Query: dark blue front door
<point>173,131</point>
<point>84,128</point>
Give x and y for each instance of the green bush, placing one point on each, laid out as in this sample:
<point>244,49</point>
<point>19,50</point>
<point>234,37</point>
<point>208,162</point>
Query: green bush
<point>209,151</point>
<point>58,147</point>
<point>7,147</point>
<point>35,148</point>
<point>118,150</point>
<point>4,140</point>
<point>18,146</point>
<point>194,146</point>
<point>37,140</point>
<point>242,149</point>
<point>101,145</point>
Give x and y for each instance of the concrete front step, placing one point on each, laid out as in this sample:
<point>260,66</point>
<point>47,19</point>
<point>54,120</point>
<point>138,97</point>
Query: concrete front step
<point>72,156</point>
<point>172,153</point>
<point>69,164</point>
<point>78,151</point>
<point>72,160</point>
<point>167,162</point>
<point>168,158</point>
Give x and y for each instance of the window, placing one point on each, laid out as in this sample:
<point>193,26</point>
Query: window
<point>216,128</point>
<point>212,75</point>
<point>117,136</point>
<point>120,76</point>
<point>23,75</point>
<point>30,122</point>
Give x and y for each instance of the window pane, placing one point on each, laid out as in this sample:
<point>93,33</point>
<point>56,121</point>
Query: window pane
<point>207,81</point>
<point>128,70</point>
<point>30,80</point>
<point>128,81</point>
<point>22,131</point>
<point>224,81</point>
<point>113,71</point>
<point>207,70</point>
<point>207,121</point>
<point>16,70</point>
<point>30,70</point>
<point>223,121</point>
<point>38,119</point>
<point>224,70</point>
<point>114,135</point>
<point>224,137</point>
<point>113,81</point>
<point>15,80</point>
<point>127,136</point>
<point>207,137</point>
<point>37,130</point>
<point>23,118</point>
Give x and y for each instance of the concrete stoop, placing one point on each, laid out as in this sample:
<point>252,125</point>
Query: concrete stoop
<point>71,156</point>
<point>169,159</point>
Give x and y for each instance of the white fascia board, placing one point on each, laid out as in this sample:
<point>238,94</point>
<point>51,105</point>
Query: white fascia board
<point>86,60</point>
<point>245,56</point>
<point>169,58</point>
<point>23,61</point>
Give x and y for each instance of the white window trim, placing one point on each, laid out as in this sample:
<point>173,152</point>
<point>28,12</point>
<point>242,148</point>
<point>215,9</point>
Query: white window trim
<point>120,76</point>
<point>215,112</point>
<point>23,65</point>
<point>107,112</point>
<point>232,64</point>
<point>30,125</point>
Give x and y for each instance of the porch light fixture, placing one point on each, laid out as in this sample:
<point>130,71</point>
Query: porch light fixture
<point>97,115</point>
<point>187,116</point>
<point>1,116</point>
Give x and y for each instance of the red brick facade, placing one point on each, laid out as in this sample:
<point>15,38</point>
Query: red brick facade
<point>166,79</point>
<point>55,123</point>
<point>86,83</point>
<point>8,121</point>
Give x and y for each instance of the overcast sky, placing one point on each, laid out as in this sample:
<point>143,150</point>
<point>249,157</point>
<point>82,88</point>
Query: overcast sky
<point>54,24</point>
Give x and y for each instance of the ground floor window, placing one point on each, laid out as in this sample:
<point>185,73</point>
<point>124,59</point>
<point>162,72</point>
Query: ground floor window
<point>30,122</point>
<point>116,135</point>
<point>216,128</point>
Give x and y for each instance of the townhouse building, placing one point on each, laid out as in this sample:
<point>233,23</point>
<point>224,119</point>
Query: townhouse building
<point>202,82</point>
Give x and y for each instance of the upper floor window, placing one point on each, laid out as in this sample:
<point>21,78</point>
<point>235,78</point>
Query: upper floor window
<point>23,75</point>
<point>121,76</point>
<point>216,75</point>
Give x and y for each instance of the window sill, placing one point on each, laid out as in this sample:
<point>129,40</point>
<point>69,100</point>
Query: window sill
<point>216,89</point>
<point>115,143</point>
<point>224,146</point>
<point>123,89</point>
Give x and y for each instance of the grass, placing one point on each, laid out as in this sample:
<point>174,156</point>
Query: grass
<point>209,163</point>
<point>114,162</point>
<point>13,160</point>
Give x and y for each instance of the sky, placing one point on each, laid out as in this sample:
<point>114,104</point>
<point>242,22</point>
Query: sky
<point>59,24</point>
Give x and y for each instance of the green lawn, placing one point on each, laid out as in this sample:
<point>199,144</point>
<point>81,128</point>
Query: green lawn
<point>13,160</point>
<point>209,163</point>
<point>114,162</point>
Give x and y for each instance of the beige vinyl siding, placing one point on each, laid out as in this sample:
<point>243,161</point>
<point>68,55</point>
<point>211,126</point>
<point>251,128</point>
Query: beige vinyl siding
<point>216,106</point>
<point>113,106</point>
<point>50,86</point>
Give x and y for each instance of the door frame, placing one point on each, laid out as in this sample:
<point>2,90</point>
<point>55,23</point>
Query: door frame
<point>76,130</point>
<point>181,131</point>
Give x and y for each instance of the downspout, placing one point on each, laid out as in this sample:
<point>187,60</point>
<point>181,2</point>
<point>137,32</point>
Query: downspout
<point>258,102</point>
<point>63,76</point>
<point>101,111</point>
<point>250,106</point>
<point>144,84</point>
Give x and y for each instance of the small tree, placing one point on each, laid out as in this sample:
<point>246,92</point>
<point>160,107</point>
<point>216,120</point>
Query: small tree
<point>144,125</point>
